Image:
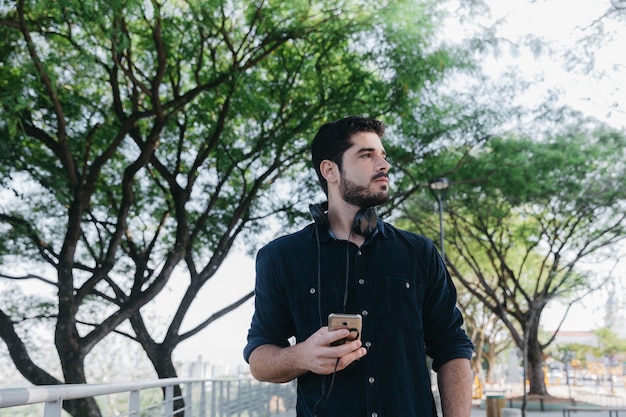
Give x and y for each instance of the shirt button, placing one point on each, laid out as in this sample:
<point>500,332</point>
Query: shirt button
<point>408,285</point>
<point>312,291</point>
<point>371,379</point>
<point>368,344</point>
<point>359,252</point>
<point>361,281</point>
<point>364,313</point>
<point>374,414</point>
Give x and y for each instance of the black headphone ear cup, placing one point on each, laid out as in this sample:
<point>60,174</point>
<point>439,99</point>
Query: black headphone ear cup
<point>365,221</point>
<point>318,212</point>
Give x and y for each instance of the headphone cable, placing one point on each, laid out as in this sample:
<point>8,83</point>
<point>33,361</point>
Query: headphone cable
<point>319,276</point>
<point>345,291</point>
<point>318,408</point>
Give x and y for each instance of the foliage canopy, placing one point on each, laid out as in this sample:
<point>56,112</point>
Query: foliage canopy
<point>524,214</point>
<point>144,138</point>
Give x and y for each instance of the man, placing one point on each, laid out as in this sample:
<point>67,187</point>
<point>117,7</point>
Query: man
<point>349,261</point>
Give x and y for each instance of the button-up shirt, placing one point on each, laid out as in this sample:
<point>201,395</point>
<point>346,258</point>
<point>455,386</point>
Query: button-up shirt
<point>398,283</point>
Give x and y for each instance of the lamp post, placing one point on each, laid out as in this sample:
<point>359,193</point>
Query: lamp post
<point>439,188</point>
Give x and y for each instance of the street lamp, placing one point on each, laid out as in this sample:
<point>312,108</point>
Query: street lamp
<point>439,188</point>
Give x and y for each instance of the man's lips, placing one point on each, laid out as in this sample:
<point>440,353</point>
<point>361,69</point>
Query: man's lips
<point>381,177</point>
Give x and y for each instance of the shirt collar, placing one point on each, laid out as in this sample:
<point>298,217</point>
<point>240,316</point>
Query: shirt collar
<point>326,234</point>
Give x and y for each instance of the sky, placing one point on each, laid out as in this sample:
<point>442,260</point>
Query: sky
<point>561,22</point>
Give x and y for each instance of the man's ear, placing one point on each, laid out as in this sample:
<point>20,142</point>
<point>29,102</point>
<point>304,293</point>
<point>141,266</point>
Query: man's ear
<point>329,170</point>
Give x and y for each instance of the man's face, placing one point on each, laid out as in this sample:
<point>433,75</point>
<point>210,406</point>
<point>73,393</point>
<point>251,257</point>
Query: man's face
<point>364,174</point>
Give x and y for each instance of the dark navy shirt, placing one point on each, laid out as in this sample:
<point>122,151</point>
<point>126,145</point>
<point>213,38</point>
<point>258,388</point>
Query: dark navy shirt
<point>397,281</point>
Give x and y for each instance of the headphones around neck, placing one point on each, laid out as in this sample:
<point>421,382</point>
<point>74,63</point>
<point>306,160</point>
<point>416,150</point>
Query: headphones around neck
<point>364,222</point>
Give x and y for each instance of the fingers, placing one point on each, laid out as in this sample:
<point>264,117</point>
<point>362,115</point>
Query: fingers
<point>330,337</point>
<point>336,358</point>
<point>323,358</point>
<point>356,353</point>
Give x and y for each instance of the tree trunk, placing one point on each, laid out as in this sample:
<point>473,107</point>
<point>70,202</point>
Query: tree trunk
<point>477,361</point>
<point>82,407</point>
<point>160,354</point>
<point>164,367</point>
<point>534,360</point>
<point>73,366</point>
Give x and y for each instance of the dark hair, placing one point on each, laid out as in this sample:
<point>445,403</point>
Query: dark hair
<point>334,138</point>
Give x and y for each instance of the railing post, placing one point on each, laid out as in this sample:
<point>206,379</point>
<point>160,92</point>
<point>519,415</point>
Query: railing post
<point>169,401</point>
<point>221,400</point>
<point>239,397</point>
<point>188,402</point>
<point>133,404</point>
<point>228,389</point>
<point>202,399</point>
<point>213,400</point>
<point>53,409</point>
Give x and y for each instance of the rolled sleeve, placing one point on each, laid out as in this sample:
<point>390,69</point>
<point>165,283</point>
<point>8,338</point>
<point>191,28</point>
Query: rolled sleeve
<point>445,338</point>
<point>272,322</point>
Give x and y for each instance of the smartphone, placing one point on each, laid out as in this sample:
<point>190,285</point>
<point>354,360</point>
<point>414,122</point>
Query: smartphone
<point>352,322</point>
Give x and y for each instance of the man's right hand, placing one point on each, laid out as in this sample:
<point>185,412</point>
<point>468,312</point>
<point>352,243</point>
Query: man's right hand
<point>322,357</point>
<point>272,363</point>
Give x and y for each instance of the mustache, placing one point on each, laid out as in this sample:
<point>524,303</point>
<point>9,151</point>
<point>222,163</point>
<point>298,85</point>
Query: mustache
<point>380,175</point>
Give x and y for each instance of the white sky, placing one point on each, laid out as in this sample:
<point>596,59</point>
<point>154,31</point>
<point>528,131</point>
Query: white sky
<point>564,24</point>
<point>223,340</point>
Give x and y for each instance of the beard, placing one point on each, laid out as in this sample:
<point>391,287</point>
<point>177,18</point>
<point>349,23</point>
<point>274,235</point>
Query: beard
<point>361,196</point>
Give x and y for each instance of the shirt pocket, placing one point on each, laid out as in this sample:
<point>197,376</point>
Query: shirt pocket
<point>306,308</point>
<point>405,301</point>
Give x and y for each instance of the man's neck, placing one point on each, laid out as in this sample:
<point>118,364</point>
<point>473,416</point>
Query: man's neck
<point>341,219</point>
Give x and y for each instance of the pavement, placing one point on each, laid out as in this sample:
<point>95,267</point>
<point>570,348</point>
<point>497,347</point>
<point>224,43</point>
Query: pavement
<point>604,398</point>
<point>481,412</point>
<point>479,408</point>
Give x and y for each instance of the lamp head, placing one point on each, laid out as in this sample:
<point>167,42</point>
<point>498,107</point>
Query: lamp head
<point>439,187</point>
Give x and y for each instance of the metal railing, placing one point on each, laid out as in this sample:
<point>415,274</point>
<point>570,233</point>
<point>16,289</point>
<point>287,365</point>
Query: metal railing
<point>598,398</point>
<point>199,398</point>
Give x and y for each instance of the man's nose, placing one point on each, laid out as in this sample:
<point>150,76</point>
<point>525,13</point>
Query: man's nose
<point>382,164</point>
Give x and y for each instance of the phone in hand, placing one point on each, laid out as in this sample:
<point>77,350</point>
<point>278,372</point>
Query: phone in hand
<point>352,322</point>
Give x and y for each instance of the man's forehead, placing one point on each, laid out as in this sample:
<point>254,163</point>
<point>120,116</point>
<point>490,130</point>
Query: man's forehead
<point>363,141</point>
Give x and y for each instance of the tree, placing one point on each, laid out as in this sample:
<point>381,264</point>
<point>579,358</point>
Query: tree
<point>143,139</point>
<point>524,213</point>
<point>488,333</point>
<point>611,348</point>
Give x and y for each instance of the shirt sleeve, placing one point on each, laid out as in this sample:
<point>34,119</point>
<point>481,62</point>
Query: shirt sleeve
<point>444,335</point>
<point>272,321</point>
